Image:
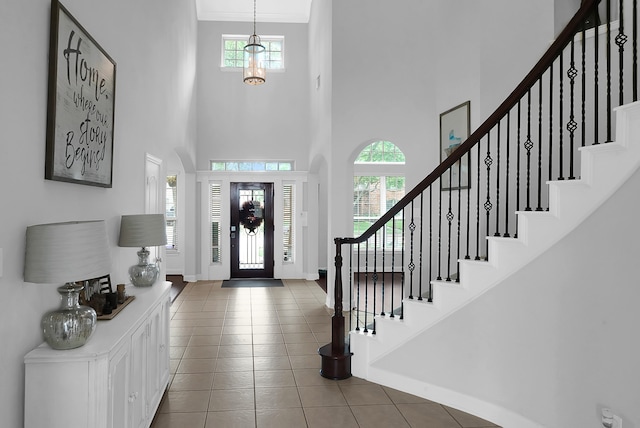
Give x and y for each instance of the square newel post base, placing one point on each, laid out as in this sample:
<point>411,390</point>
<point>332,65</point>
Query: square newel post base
<point>335,366</point>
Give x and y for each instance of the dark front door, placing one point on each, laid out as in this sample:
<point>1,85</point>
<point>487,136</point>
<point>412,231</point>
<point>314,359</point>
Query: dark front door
<point>251,230</point>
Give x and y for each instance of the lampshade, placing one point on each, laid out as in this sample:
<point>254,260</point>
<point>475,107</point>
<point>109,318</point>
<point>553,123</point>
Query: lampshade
<point>142,230</point>
<point>66,252</point>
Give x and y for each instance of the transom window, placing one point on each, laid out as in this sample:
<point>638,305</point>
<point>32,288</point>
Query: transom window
<point>251,166</point>
<point>233,51</point>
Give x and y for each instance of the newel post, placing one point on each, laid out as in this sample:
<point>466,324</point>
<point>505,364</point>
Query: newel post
<point>336,359</point>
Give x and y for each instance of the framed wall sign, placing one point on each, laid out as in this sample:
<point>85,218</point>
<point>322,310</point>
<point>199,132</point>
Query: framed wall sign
<point>454,130</point>
<point>81,100</point>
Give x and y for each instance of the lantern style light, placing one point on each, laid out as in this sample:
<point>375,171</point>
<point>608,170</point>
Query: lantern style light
<point>254,57</point>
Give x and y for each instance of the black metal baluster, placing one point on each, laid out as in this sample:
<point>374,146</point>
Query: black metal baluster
<point>539,207</point>
<point>402,283</point>
<point>393,265</point>
<point>507,214</point>
<point>459,217</point>
<point>412,229</point>
<point>518,144</point>
<point>421,247</point>
<point>561,121</point>
<point>430,242</point>
<point>439,278</point>
<point>621,39</point>
<point>478,206</point>
<point>635,50</point>
<point>550,162</point>
<point>358,291</point>
<point>449,220</point>
<point>374,278</point>
<point>528,145</point>
<point>366,286</point>
<point>468,256</point>
<point>608,7</point>
<point>487,204</point>
<point>351,288</point>
<point>572,125</point>
<point>384,270</point>
<point>497,232</point>
<point>584,87</point>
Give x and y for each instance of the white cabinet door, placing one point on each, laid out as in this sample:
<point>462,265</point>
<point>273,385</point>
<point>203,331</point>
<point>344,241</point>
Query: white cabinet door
<point>119,371</point>
<point>137,378</point>
<point>153,357</point>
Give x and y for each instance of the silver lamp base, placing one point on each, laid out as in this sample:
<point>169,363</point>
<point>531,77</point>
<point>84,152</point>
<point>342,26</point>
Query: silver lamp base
<point>144,274</point>
<point>72,325</point>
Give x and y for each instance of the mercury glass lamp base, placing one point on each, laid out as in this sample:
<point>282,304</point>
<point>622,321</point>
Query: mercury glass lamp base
<point>144,274</point>
<point>73,324</point>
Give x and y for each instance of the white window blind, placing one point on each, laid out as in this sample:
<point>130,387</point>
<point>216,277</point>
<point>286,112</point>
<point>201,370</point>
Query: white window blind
<point>215,202</point>
<point>288,210</point>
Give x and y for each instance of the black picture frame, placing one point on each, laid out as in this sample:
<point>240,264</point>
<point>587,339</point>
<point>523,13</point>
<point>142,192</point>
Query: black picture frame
<point>80,106</point>
<point>455,127</point>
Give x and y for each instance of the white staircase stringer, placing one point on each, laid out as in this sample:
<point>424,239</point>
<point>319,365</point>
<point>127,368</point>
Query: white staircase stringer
<point>604,168</point>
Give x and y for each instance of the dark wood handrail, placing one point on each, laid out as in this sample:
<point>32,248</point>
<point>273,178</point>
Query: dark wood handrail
<point>555,50</point>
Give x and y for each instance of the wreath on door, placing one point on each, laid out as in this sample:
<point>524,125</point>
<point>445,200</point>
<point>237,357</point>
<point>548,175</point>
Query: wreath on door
<point>248,217</point>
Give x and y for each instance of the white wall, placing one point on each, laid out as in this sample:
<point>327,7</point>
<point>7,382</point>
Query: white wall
<point>557,341</point>
<point>239,121</point>
<point>153,44</point>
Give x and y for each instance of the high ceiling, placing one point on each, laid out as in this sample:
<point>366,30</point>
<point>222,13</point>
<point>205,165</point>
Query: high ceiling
<point>292,11</point>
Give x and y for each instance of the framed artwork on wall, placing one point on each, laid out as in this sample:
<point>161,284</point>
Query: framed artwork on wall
<point>80,108</point>
<point>454,130</point>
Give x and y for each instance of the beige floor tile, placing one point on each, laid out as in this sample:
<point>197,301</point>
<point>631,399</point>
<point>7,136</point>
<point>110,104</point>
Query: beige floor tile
<point>201,352</point>
<point>192,382</point>
<point>274,378</point>
<point>234,364</point>
<point>206,331</point>
<point>302,348</point>
<point>270,350</point>
<point>429,415</point>
<point>178,420</point>
<point>181,331</point>
<point>236,339</point>
<point>267,329</point>
<point>233,380</point>
<point>295,328</point>
<point>277,398</point>
<point>271,363</point>
<point>321,396</point>
<point>279,418</point>
<point>467,420</point>
<point>176,352</point>
<point>237,321</point>
<point>197,365</point>
<point>310,377</point>
<point>399,397</point>
<point>358,395</point>
<point>305,362</point>
<point>375,416</point>
<point>231,399</point>
<point>237,329</point>
<point>204,340</point>
<point>293,320</point>
<point>235,351</point>
<point>179,340</point>
<point>185,401</point>
<point>299,338</point>
<point>229,419</point>
<point>264,339</point>
<point>330,417</point>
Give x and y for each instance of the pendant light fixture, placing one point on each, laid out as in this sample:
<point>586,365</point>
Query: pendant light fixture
<point>254,53</point>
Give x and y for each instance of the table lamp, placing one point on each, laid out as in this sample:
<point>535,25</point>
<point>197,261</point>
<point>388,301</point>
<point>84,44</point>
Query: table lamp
<point>67,252</point>
<point>143,230</point>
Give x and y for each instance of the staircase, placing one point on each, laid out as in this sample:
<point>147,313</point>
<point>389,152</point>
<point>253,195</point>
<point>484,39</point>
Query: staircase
<point>550,156</point>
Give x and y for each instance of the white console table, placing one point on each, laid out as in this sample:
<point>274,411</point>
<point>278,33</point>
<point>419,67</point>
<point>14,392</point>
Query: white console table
<point>116,380</point>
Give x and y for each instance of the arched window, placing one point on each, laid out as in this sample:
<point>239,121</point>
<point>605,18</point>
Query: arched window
<point>378,183</point>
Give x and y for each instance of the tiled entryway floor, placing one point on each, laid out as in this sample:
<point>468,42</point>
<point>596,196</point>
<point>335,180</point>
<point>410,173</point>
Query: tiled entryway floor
<point>247,357</point>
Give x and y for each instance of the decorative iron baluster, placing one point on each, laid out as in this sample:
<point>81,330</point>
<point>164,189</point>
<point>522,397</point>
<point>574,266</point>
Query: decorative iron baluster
<point>420,249</point>
<point>374,278</point>
<point>572,125</point>
<point>366,286</point>
<point>528,145</point>
<point>488,205</point>
<point>351,288</point>
<point>412,266</point>
<point>539,207</point>
<point>402,283</point>
<point>550,163</point>
<point>608,7</point>
<point>497,232</point>
<point>621,39</point>
<point>383,245</point>
<point>449,220</point>
<point>468,256</point>
<point>506,179</point>
<point>459,217</point>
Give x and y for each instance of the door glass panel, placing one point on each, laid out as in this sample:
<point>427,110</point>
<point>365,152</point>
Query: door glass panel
<point>251,234</point>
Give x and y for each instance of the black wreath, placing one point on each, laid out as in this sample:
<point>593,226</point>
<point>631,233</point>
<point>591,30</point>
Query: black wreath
<point>248,218</point>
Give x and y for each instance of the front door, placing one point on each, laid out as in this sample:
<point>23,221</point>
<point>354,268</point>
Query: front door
<point>251,230</point>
